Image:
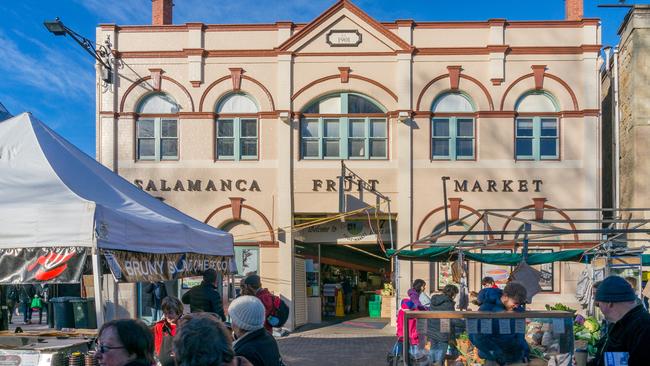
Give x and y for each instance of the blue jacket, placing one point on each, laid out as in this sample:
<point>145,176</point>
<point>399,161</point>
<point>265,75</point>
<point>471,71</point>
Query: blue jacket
<point>502,348</point>
<point>490,296</point>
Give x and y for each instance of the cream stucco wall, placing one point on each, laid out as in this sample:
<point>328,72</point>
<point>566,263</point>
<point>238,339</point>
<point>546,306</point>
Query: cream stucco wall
<point>196,60</point>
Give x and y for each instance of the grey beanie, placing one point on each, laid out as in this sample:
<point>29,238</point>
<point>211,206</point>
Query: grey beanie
<point>615,289</point>
<point>247,313</point>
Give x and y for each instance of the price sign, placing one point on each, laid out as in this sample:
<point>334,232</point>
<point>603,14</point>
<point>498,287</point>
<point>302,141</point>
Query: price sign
<point>486,326</point>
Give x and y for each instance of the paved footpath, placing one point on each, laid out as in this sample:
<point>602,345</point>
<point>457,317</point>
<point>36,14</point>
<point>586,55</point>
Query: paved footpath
<point>361,341</point>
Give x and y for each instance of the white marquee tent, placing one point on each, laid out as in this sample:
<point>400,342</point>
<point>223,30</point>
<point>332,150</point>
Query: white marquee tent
<point>54,195</point>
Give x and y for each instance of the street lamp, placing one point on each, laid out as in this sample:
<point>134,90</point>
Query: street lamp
<point>98,52</point>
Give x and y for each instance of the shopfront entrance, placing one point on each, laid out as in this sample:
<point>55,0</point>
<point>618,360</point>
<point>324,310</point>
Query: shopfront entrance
<point>341,279</point>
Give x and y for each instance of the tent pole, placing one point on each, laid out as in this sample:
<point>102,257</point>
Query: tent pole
<point>97,279</point>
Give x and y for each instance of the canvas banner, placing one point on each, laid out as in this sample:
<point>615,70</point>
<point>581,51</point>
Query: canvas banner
<point>153,267</point>
<point>42,265</point>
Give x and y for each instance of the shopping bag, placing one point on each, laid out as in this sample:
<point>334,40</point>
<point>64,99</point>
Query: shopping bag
<point>36,303</point>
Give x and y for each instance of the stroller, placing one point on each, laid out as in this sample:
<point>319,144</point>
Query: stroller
<point>416,355</point>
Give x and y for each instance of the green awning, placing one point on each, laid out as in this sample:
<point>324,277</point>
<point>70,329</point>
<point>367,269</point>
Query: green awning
<point>431,254</point>
<point>444,254</point>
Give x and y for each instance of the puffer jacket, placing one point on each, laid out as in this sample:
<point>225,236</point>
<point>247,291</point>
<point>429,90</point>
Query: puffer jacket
<point>489,296</point>
<point>502,348</point>
<point>442,302</point>
<point>266,297</point>
<point>410,303</point>
<point>204,298</point>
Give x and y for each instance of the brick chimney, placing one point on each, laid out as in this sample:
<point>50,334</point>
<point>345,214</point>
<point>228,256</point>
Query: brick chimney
<point>161,12</point>
<point>573,9</point>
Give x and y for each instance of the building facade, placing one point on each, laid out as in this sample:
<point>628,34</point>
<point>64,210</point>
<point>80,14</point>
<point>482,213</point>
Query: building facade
<point>244,126</point>
<point>625,115</point>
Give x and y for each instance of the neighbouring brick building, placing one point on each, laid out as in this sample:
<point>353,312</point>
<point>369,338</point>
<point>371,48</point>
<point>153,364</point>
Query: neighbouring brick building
<point>633,114</point>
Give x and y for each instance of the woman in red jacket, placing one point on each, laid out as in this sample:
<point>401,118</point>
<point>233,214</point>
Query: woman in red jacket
<point>165,329</point>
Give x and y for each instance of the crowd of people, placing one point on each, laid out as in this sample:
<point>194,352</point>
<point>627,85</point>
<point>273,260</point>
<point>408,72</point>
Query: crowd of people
<point>27,299</point>
<point>626,325</point>
<point>202,337</point>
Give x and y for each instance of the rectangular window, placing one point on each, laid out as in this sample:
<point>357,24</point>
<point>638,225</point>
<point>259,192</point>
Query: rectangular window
<point>237,139</point>
<point>343,138</point>
<point>452,138</point>
<point>169,140</point>
<point>157,139</point>
<point>536,138</point>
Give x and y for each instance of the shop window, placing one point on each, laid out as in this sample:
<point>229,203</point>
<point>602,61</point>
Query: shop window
<point>344,126</point>
<point>157,128</point>
<point>537,130</point>
<point>247,259</point>
<point>453,132</point>
<point>237,130</point>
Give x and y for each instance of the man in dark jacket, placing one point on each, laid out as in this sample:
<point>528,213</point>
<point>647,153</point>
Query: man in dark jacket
<point>629,323</point>
<point>205,297</point>
<point>26,294</point>
<point>252,341</point>
<point>504,348</point>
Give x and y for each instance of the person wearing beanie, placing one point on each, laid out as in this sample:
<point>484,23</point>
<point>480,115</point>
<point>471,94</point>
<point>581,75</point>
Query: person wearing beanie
<point>252,341</point>
<point>629,322</point>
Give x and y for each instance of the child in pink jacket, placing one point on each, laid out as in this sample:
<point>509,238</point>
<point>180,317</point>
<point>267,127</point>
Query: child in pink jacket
<point>411,303</point>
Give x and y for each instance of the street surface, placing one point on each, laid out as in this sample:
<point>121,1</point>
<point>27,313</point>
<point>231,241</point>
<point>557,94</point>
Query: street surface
<point>361,341</point>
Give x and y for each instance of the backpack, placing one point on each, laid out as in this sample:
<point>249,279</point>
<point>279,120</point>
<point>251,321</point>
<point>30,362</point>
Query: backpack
<point>280,313</point>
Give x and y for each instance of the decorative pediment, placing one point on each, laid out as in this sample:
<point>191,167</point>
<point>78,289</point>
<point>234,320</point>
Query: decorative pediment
<point>344,28</point>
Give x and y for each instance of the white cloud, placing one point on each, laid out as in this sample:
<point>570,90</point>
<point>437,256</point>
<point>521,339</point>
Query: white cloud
<point>48,70</point>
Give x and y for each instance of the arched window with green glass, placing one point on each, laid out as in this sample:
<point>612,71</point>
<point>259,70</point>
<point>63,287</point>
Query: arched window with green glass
<point>157,128</point>
<point>452,127</point>
<point>344,126</point>
<point>237,130</point>
<point>537,134</point>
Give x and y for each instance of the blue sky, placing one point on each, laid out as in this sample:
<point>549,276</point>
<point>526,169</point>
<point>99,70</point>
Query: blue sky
<point>53,78</point>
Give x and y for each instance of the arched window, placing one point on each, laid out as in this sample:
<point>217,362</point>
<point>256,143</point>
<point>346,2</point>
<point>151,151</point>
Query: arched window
<point>344,126</point>
<point>237,132</point>
<point>536,127</point>
<point>452,127</point>
<point>157,128</point>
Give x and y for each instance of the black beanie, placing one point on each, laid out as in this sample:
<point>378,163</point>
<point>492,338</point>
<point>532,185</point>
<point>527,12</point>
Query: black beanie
<point>615,289</point>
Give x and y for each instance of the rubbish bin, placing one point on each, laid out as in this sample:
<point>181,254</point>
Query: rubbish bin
<point>63,313</point>
<point>84,313</point>
<point>50,314</point>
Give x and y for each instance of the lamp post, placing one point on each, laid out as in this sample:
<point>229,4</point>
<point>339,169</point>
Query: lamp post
<point>101,53</point>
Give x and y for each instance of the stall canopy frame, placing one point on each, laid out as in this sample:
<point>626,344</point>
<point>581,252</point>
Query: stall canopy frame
<point>612,231</point>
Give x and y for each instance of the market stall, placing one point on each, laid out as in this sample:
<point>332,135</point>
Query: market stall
<point>59,207</point>
<point>582,328</point>
<point>548,335</point>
